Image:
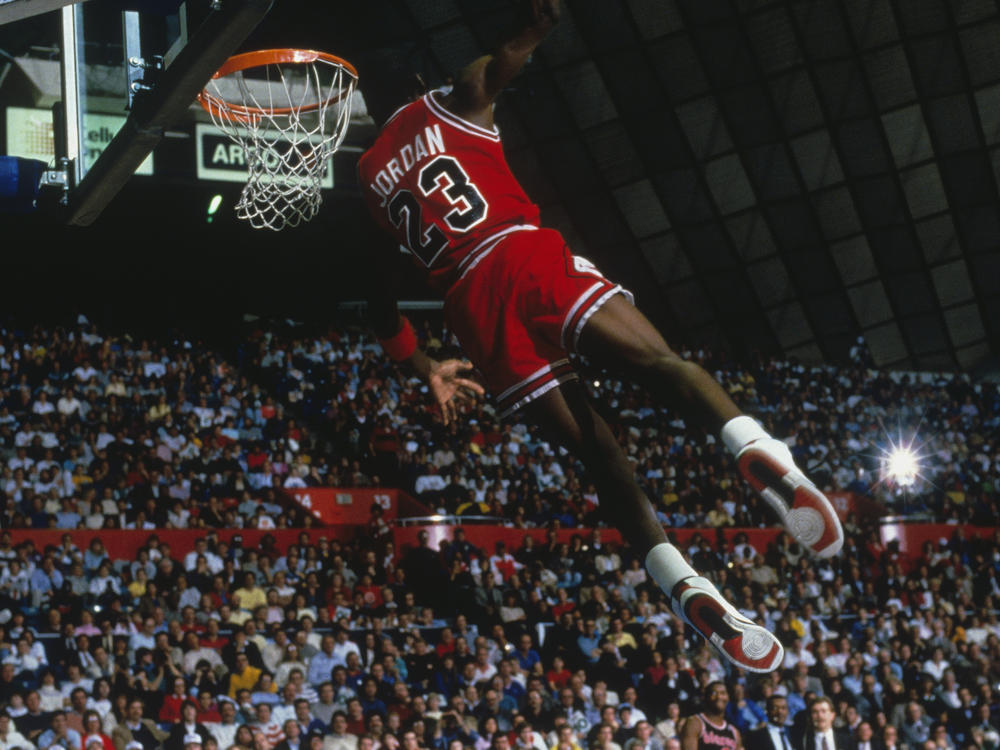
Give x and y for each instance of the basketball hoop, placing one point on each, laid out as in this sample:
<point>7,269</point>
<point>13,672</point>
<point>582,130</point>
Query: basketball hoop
<point>288,109</point>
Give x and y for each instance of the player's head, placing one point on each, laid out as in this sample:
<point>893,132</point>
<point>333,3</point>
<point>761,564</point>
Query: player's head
<point>389,79</point>
<point>715,695</point>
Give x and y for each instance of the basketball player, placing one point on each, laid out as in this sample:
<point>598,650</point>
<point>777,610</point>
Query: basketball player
<point>520,303</point>
<point>709,730</point>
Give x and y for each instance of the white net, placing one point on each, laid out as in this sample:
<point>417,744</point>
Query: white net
<point>290,118</point>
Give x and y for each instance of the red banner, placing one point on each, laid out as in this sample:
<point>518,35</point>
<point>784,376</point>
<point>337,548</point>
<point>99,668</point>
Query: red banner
<point>342,505</point>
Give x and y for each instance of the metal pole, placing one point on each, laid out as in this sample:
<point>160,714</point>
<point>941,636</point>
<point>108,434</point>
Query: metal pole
<point>134,64</point>
<point>71,24</point>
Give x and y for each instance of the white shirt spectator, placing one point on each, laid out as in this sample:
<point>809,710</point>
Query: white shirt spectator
<point>429,482</point>
<point>84,372</point>
<point>68,405</point>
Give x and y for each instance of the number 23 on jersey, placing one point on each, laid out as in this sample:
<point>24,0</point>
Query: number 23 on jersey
<point>468,207</point>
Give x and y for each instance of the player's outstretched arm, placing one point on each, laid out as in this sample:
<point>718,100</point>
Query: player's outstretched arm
<point>481,81</point>
<point>444,378</point>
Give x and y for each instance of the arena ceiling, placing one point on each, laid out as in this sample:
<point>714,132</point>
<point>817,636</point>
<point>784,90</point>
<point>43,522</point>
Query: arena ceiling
<point>783,176</point>
<point>765,175</point>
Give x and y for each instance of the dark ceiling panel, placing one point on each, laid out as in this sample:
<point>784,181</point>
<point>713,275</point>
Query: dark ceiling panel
<point>705,130</point>
<point>860,146</point>
<point>597,223</point>
<point>541,107</point>
<point>813,271</point>
<point>583,89</point>
<point>633,85</point>
<point>436,13</point>
<point>822,30</point>
<point>889,77</point>
<point>732,296</point>
<point>855,260</point>
<point>926,332</point>
<point>952,124</point>
<point>911,294</point>
<point>655,18</point>
<point>795,102</point>
<point>979,228</point>
<point>677,66</point>
<point>793,225</point>
<point>937,238</point>
<point>689,302</point>
<point>707,246</point>
<point>748,105</point>
<point>771,281</point>
<point>971,11</point>
<point>605,26</point>
<point>835,213</point>
<point>729,185</point>
<point>832,316</point>
<point>895,250</point>
<point>614,154</point>
<point>727,58</point>
<point>870,304</point>
<point>924,17</point>
<point>772,37</point>
<point>661,142</point>
<point>817,160</point>
<point>681,190</point>
<point>771,172</point>
<point>936,65</point>
<point>642,209</point>
<point>968,179</point>
<point>571,170</point>
<point>878,202</point>
<point>751,236</point>
<point>668,260</point>
<point>842,86</point>
<point>981,52</point>
<point>986,272</point>
<point>906,132</point>
<point>872,22</point>
<point>952,283</point>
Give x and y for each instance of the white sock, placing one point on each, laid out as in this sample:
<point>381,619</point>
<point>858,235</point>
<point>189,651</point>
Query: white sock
<point>667,566</point>
<point>739,432</point>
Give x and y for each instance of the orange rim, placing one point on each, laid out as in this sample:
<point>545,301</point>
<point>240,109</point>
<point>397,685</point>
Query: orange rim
<point>219,107</point>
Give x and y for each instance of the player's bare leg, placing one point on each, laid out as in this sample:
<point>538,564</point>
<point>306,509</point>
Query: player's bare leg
<point>621,338</point>
<point>568,417</point>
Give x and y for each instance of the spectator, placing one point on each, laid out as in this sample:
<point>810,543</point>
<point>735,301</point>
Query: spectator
<point>136,728</point>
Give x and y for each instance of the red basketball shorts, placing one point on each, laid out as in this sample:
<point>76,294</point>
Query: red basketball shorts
<point>518,311</point>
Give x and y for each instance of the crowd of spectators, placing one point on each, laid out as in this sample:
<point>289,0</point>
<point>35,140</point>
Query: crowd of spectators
<point>840,421</point>
<point>356,645</point>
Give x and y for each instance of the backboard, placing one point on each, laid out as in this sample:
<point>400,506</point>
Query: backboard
<point>120,74</point>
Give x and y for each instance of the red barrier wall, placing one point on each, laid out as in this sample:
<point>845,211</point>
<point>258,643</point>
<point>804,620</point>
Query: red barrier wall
<point>485,536</point>
<point>345,505</point>
<point>911,537</point>
<point>124,544</point>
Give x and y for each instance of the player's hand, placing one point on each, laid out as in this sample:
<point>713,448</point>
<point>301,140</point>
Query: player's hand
<point>450,389</point>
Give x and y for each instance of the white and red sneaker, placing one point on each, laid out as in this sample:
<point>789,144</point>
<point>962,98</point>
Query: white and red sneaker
<point>744,643</point>
<point>768,466</point>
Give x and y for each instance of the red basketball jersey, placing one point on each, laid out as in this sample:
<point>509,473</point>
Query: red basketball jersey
<point>441,186</point>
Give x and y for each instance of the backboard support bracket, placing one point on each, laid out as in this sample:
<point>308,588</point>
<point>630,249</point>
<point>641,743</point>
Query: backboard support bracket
<point>156,109</point>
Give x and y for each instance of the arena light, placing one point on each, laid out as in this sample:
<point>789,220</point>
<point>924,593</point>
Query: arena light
<point>901,464</point>
<point>213,206</point>
<point>902,467</point>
